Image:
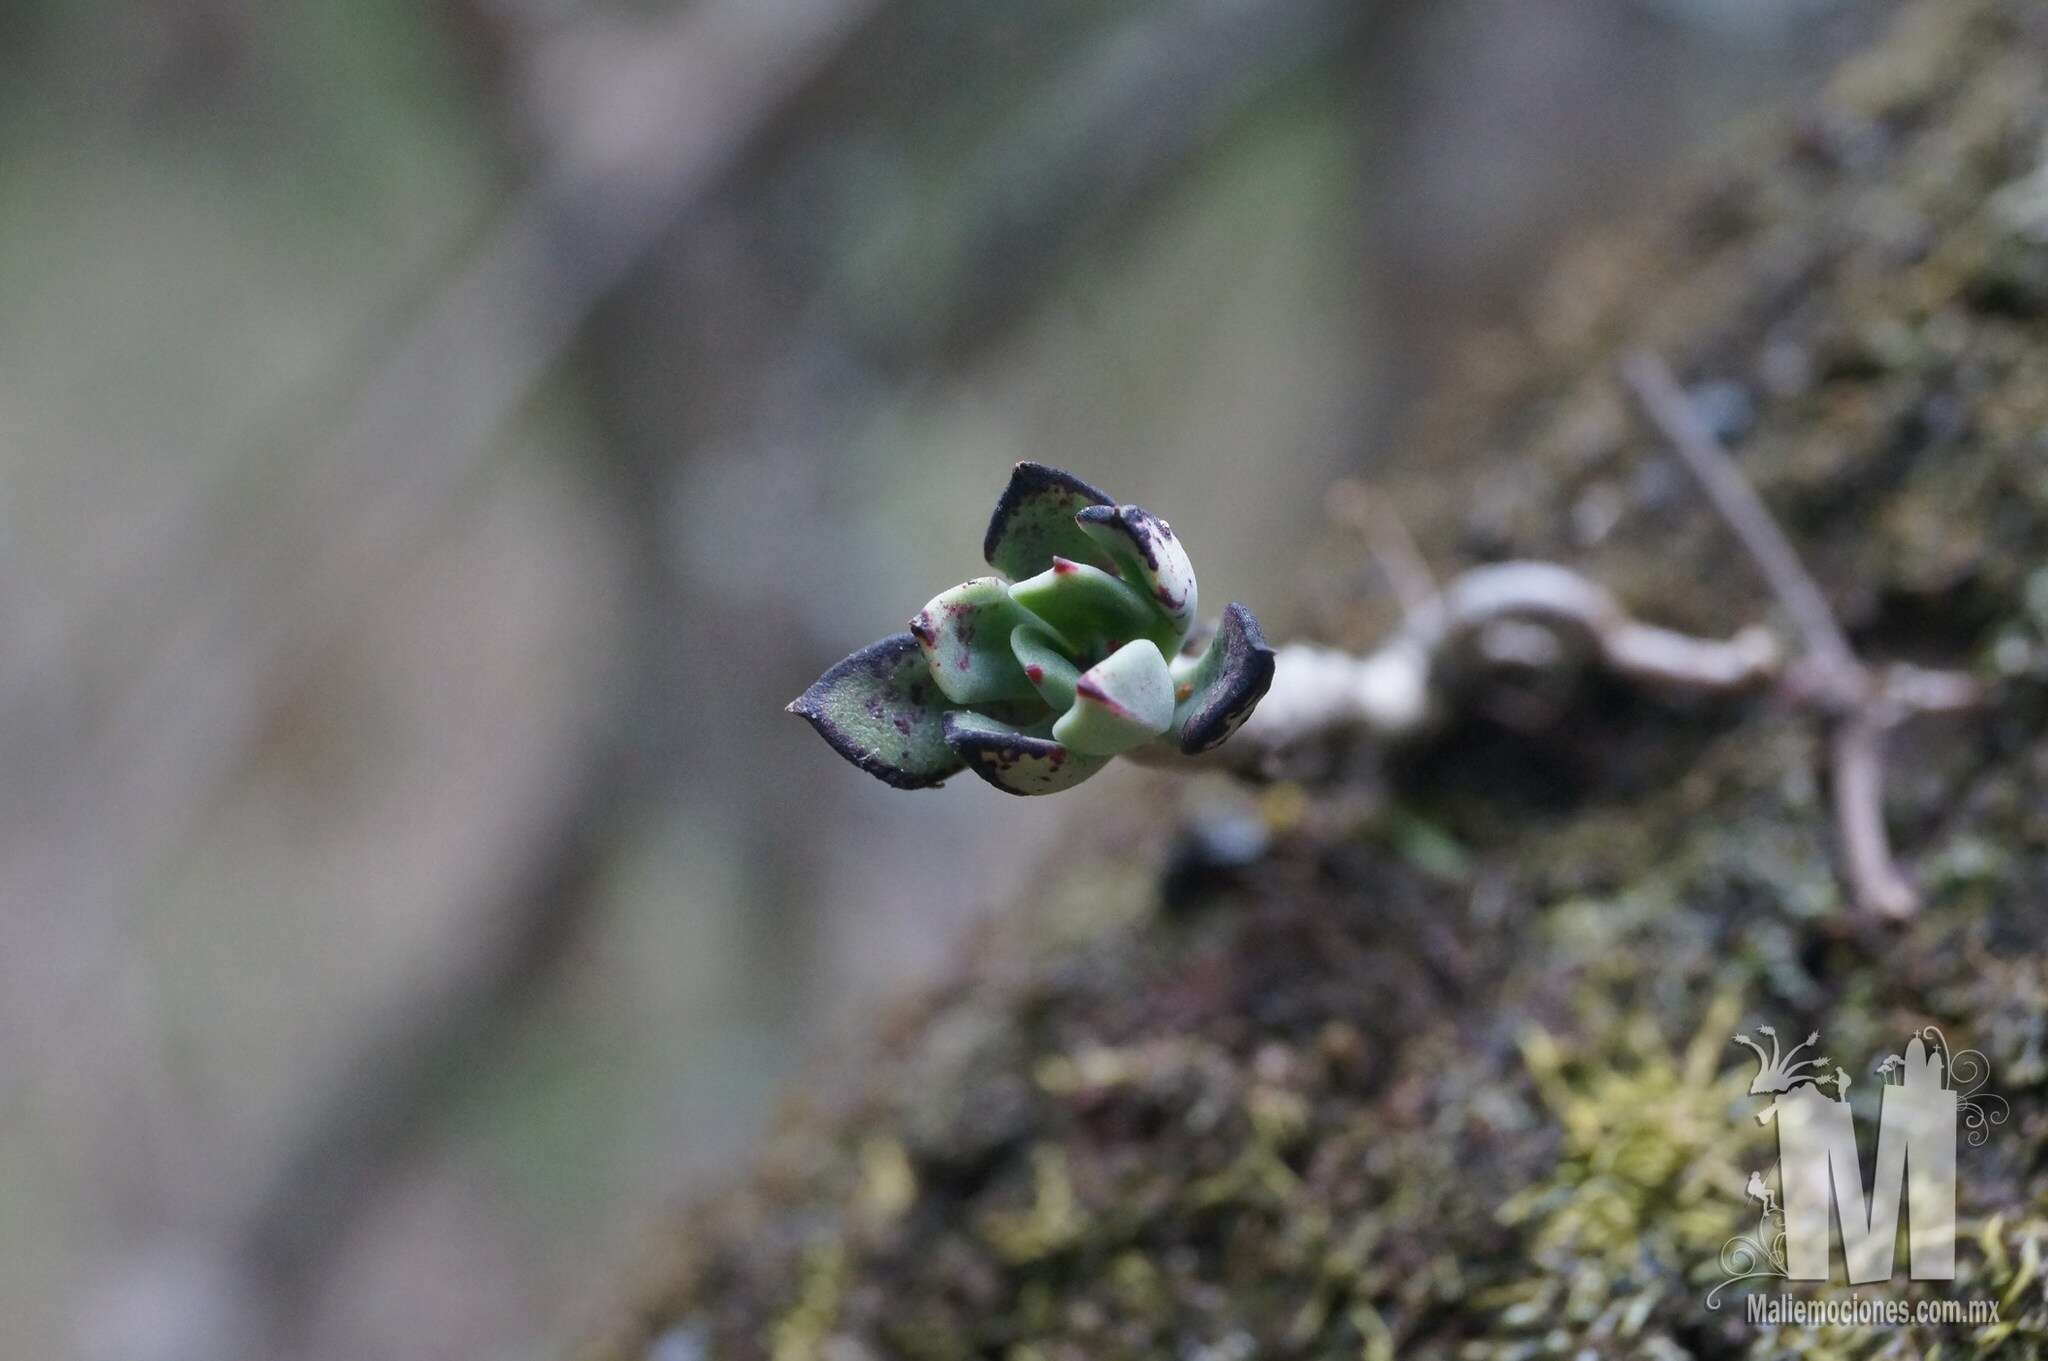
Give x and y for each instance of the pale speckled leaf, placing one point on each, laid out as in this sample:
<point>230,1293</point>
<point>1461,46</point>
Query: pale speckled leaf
<point>1089,607</point>
<point>1224,684</point>
<point>1034,522</point>
<point>965,634</point>
<point>1046,665</point>
<point>1121,702</point>
<point>1150,557</point>
<point>1013,760</point>
<point>881,710</point>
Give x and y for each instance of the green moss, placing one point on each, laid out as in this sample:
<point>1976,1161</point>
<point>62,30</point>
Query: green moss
<point>800,1334</point>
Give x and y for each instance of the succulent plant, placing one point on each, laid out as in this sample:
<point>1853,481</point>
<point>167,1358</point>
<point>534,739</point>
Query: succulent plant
<point>1080,648</point>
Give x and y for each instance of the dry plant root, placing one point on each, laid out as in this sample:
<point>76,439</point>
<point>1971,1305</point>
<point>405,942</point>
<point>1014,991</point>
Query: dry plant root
<point>1542,617</point>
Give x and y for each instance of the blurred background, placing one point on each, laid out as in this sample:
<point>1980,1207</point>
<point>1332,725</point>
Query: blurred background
<point>436,438</point>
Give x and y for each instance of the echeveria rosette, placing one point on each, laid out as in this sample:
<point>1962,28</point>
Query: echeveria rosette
<point>1075,651</point>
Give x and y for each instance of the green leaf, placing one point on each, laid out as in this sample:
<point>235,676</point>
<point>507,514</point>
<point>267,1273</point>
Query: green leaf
<point>1045,664</point>
<point>1119,703</point>
<point>881,710</point>
<point>1013,760</point>
<point>1224,684</point>
<point>965,634</point>
<point>1150,557</point>
<point>1034,522</point>
<point>1087,606</point>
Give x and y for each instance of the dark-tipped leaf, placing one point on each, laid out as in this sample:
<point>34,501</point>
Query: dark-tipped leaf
<point>1224,684</point>
<point>1034,522</point>
<point>881,710</point>
<point>1150,557</point>
<point>1013,760</point>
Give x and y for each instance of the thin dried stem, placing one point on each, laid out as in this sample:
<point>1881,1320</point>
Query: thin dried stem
<point>1668,408</point>
<point>1541,616</point>
<point>1402,688</point>
<point>1857,751</point>
<point>1842,684</point>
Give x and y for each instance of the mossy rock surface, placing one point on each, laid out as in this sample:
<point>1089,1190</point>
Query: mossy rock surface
<point>1446,1071</point>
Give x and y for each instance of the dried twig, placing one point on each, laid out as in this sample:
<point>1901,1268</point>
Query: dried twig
<point>1837,679</point>
<point>1541,617</point>
<point>1678,420</point>
<point>1856,748</point>
<point>1549,615</point>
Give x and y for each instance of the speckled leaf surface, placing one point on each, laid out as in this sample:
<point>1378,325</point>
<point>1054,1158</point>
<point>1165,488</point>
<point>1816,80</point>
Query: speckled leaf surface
<point>1034,522</point>
<point>1122,701</point>
<point>1224,683</point>
<point>1149,555</point>
<point>965,634</point>
<point>881,710</point>
<point>1046,665</point>
<point>1015,761</point>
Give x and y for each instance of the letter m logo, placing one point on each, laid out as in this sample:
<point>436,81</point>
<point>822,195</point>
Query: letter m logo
<point>1916,1164</point>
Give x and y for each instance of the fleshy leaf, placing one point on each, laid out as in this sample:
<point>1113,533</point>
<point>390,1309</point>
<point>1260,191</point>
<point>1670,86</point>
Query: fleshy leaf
<point>1015,761</point>
<point>881,710</point>
<point>1224,684</point>
<point>1034,522</point>
<point>965,634</point>
<point>1087,606</point>
<point>1150,555</point>
<point>1119,703</point>
<point>1046,665</point>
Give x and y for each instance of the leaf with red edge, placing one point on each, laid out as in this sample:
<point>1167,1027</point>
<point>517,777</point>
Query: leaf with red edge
<point>1089,607</point>
<point>965,634</point>
<point>1045,664</point>
<point>1123,701</point>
